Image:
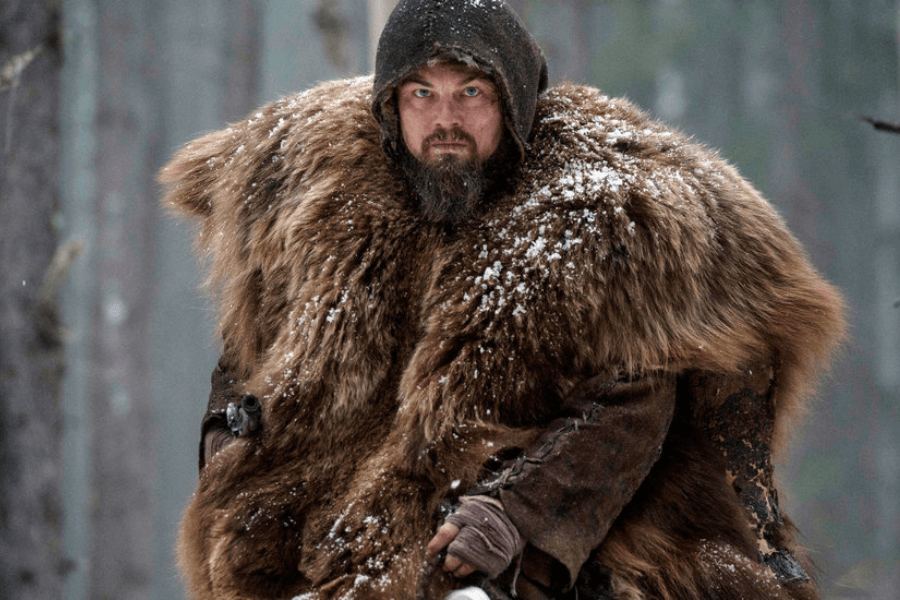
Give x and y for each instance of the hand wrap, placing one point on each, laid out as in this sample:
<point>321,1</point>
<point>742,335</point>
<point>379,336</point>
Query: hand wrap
<point>487,539</point>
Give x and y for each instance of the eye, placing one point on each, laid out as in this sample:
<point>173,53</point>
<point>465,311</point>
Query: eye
<point>421,92</point>
<point>471,91</point>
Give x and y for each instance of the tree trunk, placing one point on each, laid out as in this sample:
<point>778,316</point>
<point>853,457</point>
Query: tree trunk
<point>31,356</point>
<point>119,399</point>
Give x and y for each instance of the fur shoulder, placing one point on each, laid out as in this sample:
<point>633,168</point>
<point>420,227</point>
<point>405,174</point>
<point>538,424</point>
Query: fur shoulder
<point>713,277</point>
<point>261,185</point>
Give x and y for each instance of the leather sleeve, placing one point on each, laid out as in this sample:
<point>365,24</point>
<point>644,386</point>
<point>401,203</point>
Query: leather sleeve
<point>567,488</point>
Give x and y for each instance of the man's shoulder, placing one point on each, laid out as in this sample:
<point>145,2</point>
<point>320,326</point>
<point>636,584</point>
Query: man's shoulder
<point>325,114</point>
<point>593,151</point>
<point>577,123</point>
<point>279,150</point>
<point>326,97</point>
<point>574,100</point>
<point>598,156</point>
<point>588,112</point>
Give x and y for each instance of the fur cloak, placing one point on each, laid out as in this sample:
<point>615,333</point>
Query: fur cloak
<point>394,357</point>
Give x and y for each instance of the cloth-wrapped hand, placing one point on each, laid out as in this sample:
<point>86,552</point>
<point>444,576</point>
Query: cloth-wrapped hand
<point>485,539</point>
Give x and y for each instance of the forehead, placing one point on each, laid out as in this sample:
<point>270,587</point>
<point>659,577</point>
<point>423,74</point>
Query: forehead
<point>460,72</point>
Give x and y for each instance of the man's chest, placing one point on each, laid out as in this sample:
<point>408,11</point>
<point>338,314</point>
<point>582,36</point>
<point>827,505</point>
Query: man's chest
<point>493,312</point>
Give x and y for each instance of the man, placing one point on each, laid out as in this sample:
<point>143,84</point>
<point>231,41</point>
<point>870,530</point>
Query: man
<point>488,337</point>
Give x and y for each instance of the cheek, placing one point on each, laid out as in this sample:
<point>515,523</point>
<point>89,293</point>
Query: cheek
<point>411,130</point>
<point>410,143</point>
<point>491,132</point>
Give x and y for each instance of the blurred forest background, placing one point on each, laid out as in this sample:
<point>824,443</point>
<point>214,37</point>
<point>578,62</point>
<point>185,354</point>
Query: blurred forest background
<point>106,343</point>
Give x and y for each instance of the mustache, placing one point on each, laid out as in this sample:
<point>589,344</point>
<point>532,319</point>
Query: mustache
<point>442,135</point>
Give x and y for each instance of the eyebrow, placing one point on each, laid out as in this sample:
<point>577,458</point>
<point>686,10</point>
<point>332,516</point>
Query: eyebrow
<point>417,79</point>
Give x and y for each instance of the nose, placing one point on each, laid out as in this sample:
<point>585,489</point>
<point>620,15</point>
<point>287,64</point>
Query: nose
<point>447,114</point>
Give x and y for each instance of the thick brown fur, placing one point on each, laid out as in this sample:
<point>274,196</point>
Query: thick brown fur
<point>394,356</point>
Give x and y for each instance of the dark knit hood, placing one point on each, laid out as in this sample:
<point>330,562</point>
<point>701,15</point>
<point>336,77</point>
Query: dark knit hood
<point>486,34</point>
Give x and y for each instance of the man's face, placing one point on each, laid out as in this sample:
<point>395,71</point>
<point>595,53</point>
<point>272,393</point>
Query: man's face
<point>450,110</point>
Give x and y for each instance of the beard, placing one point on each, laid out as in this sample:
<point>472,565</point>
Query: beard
<point>452,189</point>
<point>448,190</point>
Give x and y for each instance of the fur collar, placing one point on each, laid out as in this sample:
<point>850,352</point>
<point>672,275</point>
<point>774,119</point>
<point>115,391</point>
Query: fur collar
<point>624,247</point>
